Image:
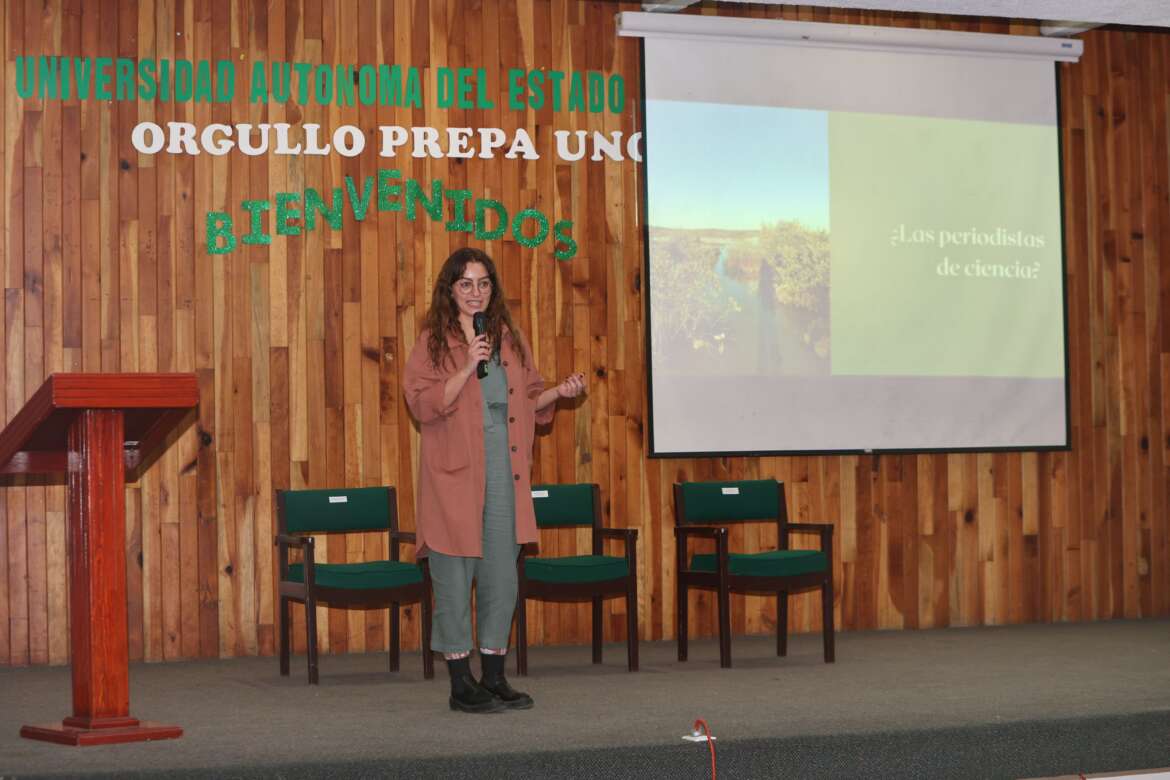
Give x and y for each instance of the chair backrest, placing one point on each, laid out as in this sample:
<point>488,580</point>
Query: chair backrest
<point>559,506</point>
<point>716,503</point>
<point>337,510</point>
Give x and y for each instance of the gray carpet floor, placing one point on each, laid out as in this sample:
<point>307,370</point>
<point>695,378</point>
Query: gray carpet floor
<point>241,713</point>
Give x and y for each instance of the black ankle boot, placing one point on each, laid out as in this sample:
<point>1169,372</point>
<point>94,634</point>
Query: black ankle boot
<point>466,694</point>
<point>493,680</point>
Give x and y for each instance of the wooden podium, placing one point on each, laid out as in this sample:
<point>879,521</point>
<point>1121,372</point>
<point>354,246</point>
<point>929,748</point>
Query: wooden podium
<point>96,428</point>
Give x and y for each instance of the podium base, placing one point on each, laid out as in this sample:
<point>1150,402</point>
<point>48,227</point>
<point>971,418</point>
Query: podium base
<point>118,730</point>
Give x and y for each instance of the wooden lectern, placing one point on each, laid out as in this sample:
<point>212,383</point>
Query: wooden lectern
<point>95,428</point>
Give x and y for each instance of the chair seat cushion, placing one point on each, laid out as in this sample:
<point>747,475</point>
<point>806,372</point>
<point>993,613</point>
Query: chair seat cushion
<point>774,563</point>
<point>368,575</point>
<point>576,568</point>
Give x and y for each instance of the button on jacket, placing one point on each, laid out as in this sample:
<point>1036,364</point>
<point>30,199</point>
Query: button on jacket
<point>449,516</point>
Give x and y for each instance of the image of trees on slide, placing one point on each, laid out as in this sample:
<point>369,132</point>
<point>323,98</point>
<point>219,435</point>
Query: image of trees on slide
<point>739,239</point>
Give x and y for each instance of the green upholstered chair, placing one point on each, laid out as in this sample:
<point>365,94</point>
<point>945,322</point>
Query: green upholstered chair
<point>703,510</point>
<point>578,577</point>
<point>301,513</point>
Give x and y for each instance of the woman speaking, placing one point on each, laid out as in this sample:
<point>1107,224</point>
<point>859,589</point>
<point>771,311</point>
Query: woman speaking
<point>472,384</point>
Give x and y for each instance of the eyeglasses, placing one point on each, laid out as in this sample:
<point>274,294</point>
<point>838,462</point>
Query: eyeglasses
<point>466,286</point>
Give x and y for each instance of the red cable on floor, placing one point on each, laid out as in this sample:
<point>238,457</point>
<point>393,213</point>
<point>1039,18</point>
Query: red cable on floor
<point>710,742</point>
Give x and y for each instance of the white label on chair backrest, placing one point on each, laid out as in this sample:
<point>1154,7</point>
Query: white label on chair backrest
<point>338,499</point>
<point>730,491</point>
<point>540,494</point>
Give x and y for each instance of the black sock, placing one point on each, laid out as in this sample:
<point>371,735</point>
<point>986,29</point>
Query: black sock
<point>459,669</point>
<point>493,667</point>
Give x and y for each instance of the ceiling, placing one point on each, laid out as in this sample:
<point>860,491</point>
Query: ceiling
<point>1065,17</point>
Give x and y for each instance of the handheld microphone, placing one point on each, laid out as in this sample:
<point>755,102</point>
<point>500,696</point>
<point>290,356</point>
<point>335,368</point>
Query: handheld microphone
<point>479,323</point>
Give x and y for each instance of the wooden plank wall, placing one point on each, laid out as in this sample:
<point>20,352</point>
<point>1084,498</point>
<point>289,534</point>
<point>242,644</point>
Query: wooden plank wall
<point>298,345</point>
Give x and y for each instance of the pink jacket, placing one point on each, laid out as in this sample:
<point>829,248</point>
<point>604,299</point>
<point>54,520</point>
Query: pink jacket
<point>449,515</point>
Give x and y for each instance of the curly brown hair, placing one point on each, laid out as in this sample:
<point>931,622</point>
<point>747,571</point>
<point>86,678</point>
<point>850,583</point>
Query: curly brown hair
<point>442,318</point>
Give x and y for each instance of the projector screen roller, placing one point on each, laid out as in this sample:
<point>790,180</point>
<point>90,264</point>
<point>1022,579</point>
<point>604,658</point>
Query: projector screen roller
<point>852,250</point>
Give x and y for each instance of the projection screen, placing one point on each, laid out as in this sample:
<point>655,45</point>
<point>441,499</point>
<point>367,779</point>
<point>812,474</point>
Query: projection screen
<point>853,239</point>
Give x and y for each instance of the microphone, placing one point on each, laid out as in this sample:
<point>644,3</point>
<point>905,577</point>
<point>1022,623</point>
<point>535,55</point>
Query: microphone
<point>479,323</point>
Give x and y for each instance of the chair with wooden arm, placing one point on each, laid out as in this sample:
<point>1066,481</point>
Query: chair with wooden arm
<point>578,577</point>
<point>703,510</point>
<point>358,585</point>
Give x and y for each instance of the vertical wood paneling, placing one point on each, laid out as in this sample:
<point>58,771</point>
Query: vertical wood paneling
<point>36,536</point>
<point>298,345</point>
<point>14,334</point>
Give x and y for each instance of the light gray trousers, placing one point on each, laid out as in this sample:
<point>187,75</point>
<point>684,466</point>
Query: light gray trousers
<point>495,597</point>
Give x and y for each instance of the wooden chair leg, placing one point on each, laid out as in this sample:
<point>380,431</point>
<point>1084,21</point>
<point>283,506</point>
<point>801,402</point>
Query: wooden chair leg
<point>632,626</point>
<point>284,631</point>
<point>311,637</point>
<point>522,635</point>
<point>394,628</point>
<point>681,610</point>
<point>597,629</point>
<point>827,619</point>
<point>427,656</point>
<point>724,626</point>
<point>782,622</point>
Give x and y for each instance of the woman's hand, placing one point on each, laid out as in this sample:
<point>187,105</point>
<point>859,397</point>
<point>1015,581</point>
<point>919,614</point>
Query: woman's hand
<point>572,387</point>
<point>479,349</point>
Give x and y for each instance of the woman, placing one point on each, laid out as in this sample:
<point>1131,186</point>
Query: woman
<point>474,492</point>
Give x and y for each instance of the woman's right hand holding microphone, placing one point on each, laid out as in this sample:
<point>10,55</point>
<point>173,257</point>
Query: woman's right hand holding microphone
<point>479,349</point>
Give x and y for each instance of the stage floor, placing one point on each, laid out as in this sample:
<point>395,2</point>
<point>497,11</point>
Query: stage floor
<point>240,718</point>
